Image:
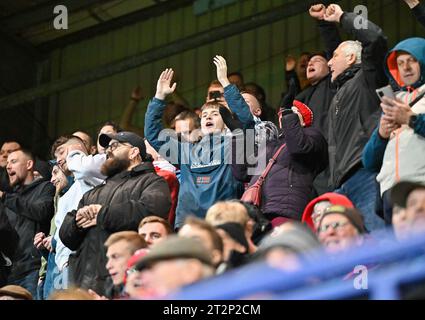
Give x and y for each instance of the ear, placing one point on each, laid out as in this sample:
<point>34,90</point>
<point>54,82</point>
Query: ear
<point>30,165</point>
<point>257,112</point>
<point>217,257</point>
<point>249,228</point>
<point>351,59</point>
<point>134,152</point>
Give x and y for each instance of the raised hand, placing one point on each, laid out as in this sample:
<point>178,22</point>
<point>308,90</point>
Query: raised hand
<point>137,94</point>
<point>231,121</point>
<point>164,87</point>
<point>317,11</point>
<point>333,13</point>
<point>221,65</point>
<point>290,63</point>
<point>412,3</point>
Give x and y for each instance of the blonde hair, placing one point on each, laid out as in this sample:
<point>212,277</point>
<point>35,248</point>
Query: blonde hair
<point>71,294</point>
<point>227,211</point>
<point>152,219</point>
<point>134,240</point>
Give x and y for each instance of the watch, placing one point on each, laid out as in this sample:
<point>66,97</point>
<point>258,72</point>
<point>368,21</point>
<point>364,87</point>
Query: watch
<point>412,121</point>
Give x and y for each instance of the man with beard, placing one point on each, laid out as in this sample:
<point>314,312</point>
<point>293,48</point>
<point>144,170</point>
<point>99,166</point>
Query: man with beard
<point>7,148</point>
<point>29,210</point>
<point>132,191</point>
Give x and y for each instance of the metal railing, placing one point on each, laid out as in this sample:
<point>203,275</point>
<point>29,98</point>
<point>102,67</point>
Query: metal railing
<point>391,264</point>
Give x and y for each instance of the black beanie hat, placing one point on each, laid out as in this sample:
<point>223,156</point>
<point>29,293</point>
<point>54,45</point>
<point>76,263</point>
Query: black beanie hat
<point>236,232</point>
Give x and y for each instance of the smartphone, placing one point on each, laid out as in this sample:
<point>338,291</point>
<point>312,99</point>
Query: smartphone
<point>215,95</point>
<point>386,91</point>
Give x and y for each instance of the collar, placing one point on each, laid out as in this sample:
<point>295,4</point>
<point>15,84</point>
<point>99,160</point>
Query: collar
<point>144,167</point>
<point>347,75</point>
<point>23,188</point>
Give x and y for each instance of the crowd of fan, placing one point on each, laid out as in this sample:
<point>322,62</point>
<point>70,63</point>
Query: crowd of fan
<point>142,218</point>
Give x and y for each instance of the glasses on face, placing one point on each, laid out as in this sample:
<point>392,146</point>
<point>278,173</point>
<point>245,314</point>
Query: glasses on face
<point>334,225</point>
<point>115,145</point>
<point>131,271</point>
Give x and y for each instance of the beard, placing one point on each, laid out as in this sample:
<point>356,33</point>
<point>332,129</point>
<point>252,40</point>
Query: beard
<point>114,165</point>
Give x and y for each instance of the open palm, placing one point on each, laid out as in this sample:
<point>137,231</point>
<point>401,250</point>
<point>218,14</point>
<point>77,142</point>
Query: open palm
<point>164,87</point>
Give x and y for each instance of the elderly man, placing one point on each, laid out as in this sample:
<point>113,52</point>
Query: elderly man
<point>356,71</point>
<point>173,264</point>
<point>132,191</point>
<point>341,228</point>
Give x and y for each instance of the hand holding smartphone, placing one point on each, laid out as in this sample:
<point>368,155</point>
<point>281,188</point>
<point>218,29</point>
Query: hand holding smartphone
<point>386,91</point>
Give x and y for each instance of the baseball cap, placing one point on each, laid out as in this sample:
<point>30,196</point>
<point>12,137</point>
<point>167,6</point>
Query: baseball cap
<point>400,191</point>
<point>174,247</point>
<point>124,136</point>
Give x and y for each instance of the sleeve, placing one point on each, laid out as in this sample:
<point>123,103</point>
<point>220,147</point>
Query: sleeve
<point>330,36</point>
<point>375,48</point>
<point>239,164</point>
<point>373,152</point>
<point>40,209</point>
<point>419,13</point>
<point>154,199</point>
<point>70,234</point>
<point>85,167</point>
<point>8,236</point>
<point>238,106</point>
<point>420,125</point>
<point>293,89</point>
<point>127,117</point>
<point>298,142</point>
<point>164,141</point>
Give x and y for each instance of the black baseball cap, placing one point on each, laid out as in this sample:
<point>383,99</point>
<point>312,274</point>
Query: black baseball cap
<point>401,191</point>
<point>124,136</point>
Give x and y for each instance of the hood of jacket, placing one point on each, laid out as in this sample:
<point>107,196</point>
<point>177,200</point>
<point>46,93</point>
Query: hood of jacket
<point>413,46</point>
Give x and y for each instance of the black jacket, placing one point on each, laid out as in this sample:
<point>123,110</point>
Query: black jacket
<point>419,13</point>
<point>318,97</point>
<point>8,244</point>
<point>4,181</point>
<point>29,210</point>
<point>355,110</point>
<point>126,198</point>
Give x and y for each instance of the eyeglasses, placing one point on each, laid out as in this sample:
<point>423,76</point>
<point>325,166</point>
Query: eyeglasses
<point>114,146</point>
<point>335,225</point>
<point>131,271</point>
